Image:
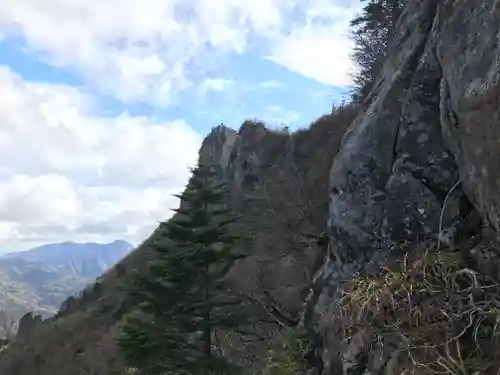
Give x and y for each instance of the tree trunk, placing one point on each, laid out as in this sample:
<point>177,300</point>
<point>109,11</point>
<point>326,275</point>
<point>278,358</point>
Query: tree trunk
<point>207,349</point>
<point>207,331</point>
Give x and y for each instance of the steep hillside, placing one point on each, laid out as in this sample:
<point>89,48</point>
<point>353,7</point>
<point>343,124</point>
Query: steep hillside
<point>40,279</point>
<point>413,189</point>
<point>270,178</point>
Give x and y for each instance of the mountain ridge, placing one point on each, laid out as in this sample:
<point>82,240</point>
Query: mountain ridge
<point>41,278</point>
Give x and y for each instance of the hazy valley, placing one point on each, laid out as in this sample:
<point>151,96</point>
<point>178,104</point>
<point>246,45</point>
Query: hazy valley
<point>40,279</point>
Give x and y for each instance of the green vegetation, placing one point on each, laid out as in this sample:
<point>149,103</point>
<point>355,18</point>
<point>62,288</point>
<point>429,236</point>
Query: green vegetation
<point>286,354</point>
<point>444,315</point>
<point>372,31</point>
<point>185,297</point>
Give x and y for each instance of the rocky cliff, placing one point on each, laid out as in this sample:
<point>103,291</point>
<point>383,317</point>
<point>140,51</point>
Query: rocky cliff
<point>421,164</point>
<point>418,164</point>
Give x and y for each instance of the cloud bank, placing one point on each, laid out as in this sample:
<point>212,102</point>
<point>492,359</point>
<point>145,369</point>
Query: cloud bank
<point>152,51</point>
<point>67,172</point>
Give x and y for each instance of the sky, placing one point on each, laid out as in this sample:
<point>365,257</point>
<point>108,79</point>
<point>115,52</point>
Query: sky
<point>104,103</point>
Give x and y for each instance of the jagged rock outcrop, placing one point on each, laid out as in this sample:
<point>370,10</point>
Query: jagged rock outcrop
<point>282,200</point>
<point>28,325</point>
<point>421,162</point>
<point>217,147</point>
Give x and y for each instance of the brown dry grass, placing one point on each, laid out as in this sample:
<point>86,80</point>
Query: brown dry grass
<point>445,315</point>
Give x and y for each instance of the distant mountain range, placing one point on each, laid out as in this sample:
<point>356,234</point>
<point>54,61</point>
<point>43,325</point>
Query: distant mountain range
<point>40,279</point>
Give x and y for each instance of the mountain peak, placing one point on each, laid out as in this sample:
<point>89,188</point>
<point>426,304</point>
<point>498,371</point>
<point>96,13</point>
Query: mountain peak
<point>75,253</point>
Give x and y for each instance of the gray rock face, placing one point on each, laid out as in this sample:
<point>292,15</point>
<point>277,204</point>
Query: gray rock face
<point>244,154</point>
<point>423,159</point>
<point>392,170</point>
<point>218,145</point>
<point>471,92</point>
<point>28,324</point>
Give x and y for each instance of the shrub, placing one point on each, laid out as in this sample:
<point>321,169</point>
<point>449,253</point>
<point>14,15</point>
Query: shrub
<point>121,270</point>
<point>286,355</point>
<point>4,343</point>
<point>445,315</point>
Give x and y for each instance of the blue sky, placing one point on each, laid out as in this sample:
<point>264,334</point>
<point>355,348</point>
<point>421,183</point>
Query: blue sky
<point>105,103</point>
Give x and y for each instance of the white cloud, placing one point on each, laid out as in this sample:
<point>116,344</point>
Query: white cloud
<point>27,199</point>
<point>320,47</point>
<point>216,84</point>
<point>280,115</point>
<point>148,51</point>
<point>271,85</point>
<point>68,173</point>
<point>331,65</point>
<point>135,50</point>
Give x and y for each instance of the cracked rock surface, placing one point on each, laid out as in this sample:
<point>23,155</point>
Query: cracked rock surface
<point>424,156</point>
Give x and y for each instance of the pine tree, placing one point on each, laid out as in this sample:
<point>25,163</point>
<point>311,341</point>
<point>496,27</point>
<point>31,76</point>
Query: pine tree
<point>186,297</point>
<point>373,30</point>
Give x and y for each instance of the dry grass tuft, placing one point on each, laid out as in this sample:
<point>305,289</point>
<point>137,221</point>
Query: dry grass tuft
<point>446,315</point>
